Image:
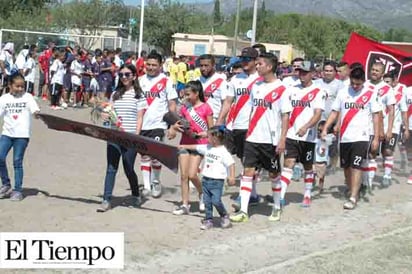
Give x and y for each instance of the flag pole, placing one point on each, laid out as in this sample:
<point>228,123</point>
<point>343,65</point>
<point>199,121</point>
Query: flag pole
<point>141,27</point>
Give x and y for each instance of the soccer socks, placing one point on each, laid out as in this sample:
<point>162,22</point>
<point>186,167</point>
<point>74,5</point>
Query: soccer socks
<point>309,179</point>
<point>146,168</point>
<point>245,191</point>
<point>285,178</point>
<point>276,189</point>
<point>372,166</point>
<point>388,163</point>
<point>156,168</point>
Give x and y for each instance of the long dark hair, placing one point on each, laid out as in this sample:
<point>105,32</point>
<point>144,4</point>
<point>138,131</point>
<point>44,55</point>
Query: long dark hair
<point>196,87</point>
<point>120,90</point>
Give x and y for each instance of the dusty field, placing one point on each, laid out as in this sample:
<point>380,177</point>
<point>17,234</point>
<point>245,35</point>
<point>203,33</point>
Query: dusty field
<point>63,183</point>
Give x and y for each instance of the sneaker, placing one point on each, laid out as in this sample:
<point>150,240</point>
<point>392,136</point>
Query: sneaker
<point>409,182</point>
<point>5,191</point>
<point>182,210</point>
<point>225,222</point>
<point>156,189</point>
<point>275,216</point>
<point>146,192</point>
<point>386,180</point>
<point>236,204</point>
<point>201,203</point>
<point>64,105</point>
<point>239,217</point>
<point>350,204</point>
<point>206,224</point>
<point>105,206</point>
<point>44,98</point>
<point>16,196</point>
<point>306,202</point>
<point>136,202</point>
<point>57,108</point>
<point>254,200</point>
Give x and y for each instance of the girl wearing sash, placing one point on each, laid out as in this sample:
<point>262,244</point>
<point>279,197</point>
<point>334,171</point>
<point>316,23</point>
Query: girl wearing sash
<point>199,116</point>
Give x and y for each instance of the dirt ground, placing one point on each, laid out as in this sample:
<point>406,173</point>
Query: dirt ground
<point>63,184</point>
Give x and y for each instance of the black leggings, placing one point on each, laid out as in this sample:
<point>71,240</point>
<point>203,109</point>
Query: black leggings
<point>55,92</point>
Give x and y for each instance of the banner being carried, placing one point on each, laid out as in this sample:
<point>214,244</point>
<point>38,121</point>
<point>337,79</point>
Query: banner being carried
<point>166,154</point>
<point>365,51</point>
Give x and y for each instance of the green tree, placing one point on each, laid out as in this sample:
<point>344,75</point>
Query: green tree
<point>217,17</point>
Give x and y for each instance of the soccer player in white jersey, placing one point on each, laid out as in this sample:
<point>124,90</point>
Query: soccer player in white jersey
<point>354,105</point>
<point>214,85</point>
<point>293,78</point>
<point>387,98</point>
<point>161,98</point>
<point>308,102</point>
<point>237,106</point>
<point>331,85</point>
<point>266,135</point>
<point>401,117</point>
<point>343,71</point>
<point>408,144</point>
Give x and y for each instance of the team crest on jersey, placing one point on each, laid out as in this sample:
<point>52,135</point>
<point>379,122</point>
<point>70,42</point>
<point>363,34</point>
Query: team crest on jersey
<point>391,63</point>
<point>213,86</point>
<point>310,97</point>
<point>274,96</point>
<point>159,86</point>
<point>365,98</point>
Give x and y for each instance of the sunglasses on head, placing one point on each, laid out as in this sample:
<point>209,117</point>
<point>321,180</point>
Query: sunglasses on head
<point>125,75</point>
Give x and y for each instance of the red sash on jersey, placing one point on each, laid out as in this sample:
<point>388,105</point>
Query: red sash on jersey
<point>309,97</point>
<point>196,118</point>
<point>271,97</point>
<point>352,112</point>
<point>383,91</point>
<point>234,111</point>
<point>212,88</point>
<point>398,97</point>
<point>158,87</point>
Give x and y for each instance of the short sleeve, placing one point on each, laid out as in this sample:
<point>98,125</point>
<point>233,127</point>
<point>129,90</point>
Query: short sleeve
<point>170,90</point>
<point>227,158</point>
<point>375,104</point>
<point>2,109</point>
<point>33,106</point>
<point>141,104</point>
<point>231,89</point>
<point>54,67</point>
<point>223,89</point>
<point>319,101</point>
<point>208,110</point>
<point>402,103</point>
<point>285,102</point>
<point>202,149</point>
<point>337,103</point>
<point>390,97</point>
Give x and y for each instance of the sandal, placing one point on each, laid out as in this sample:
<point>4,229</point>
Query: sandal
<point>350,204</point>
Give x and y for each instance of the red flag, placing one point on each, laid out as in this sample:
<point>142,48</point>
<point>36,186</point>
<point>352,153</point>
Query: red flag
<point>365,51</point>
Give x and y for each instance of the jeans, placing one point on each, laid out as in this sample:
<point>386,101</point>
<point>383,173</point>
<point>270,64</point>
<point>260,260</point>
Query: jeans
<point>212,196</point>
<point>114,152</point>
<point>19,147</point>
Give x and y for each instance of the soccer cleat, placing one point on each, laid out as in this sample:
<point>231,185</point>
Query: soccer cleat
<point>409,182</point>
<point>156,189</point>
<point>275,216</point>
<point>306,202</point>
<point>239,217</point>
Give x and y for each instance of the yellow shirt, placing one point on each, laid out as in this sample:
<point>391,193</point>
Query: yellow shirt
<point>191,76</point>
<point>197,73</point>
<point>173,73</point>
<point>181,72</point>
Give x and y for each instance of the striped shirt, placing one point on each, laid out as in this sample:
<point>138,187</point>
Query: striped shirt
<point>127,108</point>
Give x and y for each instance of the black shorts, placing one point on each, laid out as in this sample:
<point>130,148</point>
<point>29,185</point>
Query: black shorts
<point>353,154</point>
<point>55,89</point>
<point>261,156</point>
<point>189,151</point>
<point>75,88</point>
<point>334,149</point>
<point>235,142</point>
<point>302,151</point>
<point>157,134</point>
<point>29,87</point>
<point>391,144</point>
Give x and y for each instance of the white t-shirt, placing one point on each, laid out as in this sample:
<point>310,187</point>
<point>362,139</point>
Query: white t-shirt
<point>58,68</point>
<point>356,112</point>
<point>239,88</point>
<point>30,65</point>
<point>216,161</point>
<point>304,103</point>
<point>409,105</point>
<point>7,58</point>
<point>215,90</point>
<point>400,106</point>
<point>331,88</point>
<point>17,114</point>
<point>76,68</point>
<point>268,102</point>
<point>158,91</point>
<point>346,82</point>
<point>127,108</point>
<point>21,59</point>
<point>291,81</point>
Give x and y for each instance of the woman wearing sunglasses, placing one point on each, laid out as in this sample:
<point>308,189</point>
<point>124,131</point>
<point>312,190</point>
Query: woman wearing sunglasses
<point>129,105</point>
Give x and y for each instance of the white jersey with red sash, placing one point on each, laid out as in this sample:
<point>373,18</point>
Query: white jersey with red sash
<point>400,106</point>
<point>267,101</point>
<point>215,90</point>
<point>239,88</point>
<point>304,102</point>
<point>408,95</point>
<point>157,91</point>
<point>356,109</point>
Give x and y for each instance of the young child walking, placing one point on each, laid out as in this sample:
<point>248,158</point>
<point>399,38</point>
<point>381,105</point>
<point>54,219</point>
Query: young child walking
<point>16,107</point>
<point>216,164</point>
<point>322,155</point>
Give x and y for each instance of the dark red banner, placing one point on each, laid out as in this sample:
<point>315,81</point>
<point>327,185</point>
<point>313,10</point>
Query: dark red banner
<point>166,154</point>
<point>365,51</point>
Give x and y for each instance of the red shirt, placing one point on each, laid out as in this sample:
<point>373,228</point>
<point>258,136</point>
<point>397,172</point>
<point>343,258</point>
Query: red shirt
<point>141,67</point>
<point>44,60</point>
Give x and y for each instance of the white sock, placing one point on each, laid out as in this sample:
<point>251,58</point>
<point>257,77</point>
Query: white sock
<point>146,168</point>
<point>285,178</point>
<point>388,165</point>
<point>372,167</point>
<point>309,178</point>
<point>276,189</point>
<point>156,168</point>
<point>365,174</point>
<point>245,190</point>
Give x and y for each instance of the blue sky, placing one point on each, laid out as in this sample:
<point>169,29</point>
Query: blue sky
<point>137,2</point>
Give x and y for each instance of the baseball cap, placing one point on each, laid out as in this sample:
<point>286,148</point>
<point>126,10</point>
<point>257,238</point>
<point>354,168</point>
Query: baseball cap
<point>306,66</point>
<point>249,52</point>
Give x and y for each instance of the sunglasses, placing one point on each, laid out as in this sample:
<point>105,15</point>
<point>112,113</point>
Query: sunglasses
<point>125,75</point>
